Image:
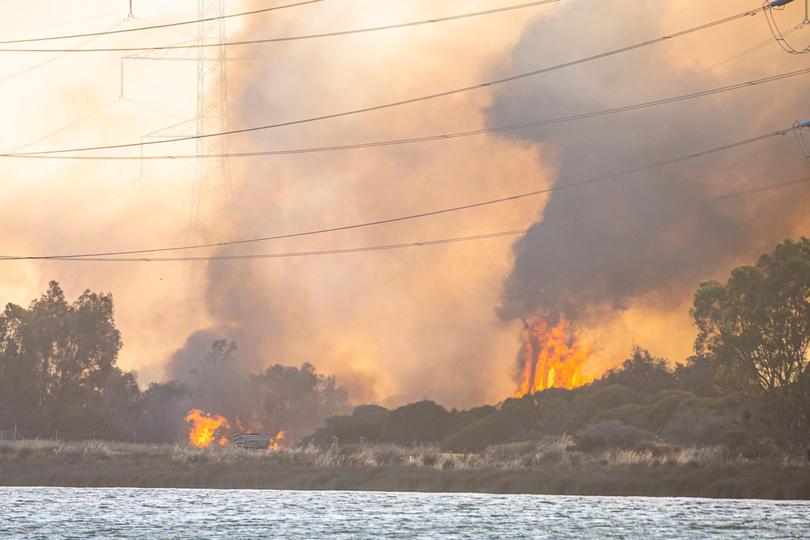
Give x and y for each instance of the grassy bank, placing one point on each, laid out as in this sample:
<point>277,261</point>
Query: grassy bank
<point>551,466</point>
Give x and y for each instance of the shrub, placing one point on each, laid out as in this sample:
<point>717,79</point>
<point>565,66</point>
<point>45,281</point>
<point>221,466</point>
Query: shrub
<point>642,372</point>
<point>759,449</point>
<point>514,420</point>
<point>696,427</point>
<point>422,421</point>
<point>610,434</point>
<point>388,455</point>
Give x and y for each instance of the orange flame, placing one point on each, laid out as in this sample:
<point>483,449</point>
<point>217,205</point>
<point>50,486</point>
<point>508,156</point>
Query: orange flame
<point>275,442</point>
<point>552,358</point>
<point>204,428</point>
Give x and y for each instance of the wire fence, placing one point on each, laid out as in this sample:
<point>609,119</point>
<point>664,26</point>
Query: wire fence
<point>16,433</point>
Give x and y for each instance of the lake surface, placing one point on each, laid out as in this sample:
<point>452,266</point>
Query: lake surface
<point>210,513</point>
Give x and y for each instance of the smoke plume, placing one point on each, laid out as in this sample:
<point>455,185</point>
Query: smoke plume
<point>393,327</point>
<point>649,238</point>
<point>621,257</point>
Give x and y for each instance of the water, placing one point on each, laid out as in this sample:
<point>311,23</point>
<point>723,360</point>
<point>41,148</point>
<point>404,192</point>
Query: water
<point>210,513</point>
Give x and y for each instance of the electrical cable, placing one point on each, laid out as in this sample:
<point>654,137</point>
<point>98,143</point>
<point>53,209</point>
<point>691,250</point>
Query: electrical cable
<point>158,26</point>
<point>804,143</point>
<point>80,120</point>
<point>383,247</point>
<point>478,204</point>
<point>428,138</point>
<point>778,35</point>
<point>760,45</point>
<point>290,38</point>
<point>46,61</point>
<point>763,189</point>
<point>389,247</point>
<point>418,99</point>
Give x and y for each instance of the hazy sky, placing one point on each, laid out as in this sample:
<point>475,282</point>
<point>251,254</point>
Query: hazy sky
<point>393,326</point>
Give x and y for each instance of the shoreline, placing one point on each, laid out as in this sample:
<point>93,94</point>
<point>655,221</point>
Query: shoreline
<point>95,464</point>
<point>407,480</point>
<point>381,491</point>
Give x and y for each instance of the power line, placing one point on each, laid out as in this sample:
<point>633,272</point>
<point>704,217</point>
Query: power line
<point>778,35</point>
<point>51,59</point>
<point>80,120</point>
<point>418,99</point>
<point>293,38</point>
<point>478,204</point>
<point>435,137</point>
<point>763,189</point>
<point>383,247</point>
<point>389,247</point>
<point>760,45</point>
<point>158,26</point>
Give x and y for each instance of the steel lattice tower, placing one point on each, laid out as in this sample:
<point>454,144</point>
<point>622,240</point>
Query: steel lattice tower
<point>212,175</point>
<point>211,183</point>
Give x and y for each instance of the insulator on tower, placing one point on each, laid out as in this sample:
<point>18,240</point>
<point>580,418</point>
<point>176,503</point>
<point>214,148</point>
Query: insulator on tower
<point>802,132</point>
<point>781,37</point>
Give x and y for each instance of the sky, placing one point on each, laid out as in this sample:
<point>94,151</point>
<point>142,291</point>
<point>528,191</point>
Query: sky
<point>441,322</point>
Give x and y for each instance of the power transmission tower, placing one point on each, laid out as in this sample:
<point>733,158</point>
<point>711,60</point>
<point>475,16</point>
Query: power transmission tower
<point>212,176</point>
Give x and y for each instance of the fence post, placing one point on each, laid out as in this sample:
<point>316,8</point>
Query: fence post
<point>15,432</point>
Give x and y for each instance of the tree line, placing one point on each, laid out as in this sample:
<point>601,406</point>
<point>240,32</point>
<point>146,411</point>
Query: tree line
<point>59,377</point>
<point>746,388</point>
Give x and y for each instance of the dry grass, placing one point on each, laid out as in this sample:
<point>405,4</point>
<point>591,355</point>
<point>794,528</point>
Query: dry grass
<point>557,452</point>
<point>552,466</point>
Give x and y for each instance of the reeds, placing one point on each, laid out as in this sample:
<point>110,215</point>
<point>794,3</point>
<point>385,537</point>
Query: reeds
<point>557,452</point>
<point>553,465</point>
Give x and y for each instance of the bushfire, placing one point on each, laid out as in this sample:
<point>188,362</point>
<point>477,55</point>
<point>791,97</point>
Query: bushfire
<point>204,427</point>
<point>275,442</point>
<point>552,357</point>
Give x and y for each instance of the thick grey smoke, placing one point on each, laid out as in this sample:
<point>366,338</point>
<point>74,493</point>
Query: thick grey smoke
<point>209,370</point>
<point>392,327</point>
<point>606,244</point>
<point>210,375</point>
<point>401,326</point>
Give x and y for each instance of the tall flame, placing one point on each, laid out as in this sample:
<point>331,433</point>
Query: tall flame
<point>552,357</point>
<point>204,427</point>
<point>276,442</point>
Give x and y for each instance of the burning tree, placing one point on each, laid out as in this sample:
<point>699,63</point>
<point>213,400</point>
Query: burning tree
<point>551,357</point>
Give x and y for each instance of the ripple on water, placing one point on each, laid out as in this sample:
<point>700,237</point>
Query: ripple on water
<point>200,513</point>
